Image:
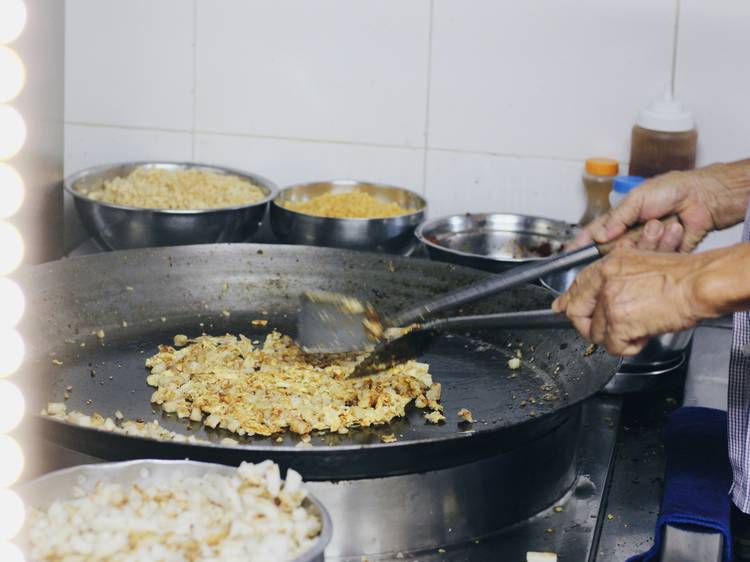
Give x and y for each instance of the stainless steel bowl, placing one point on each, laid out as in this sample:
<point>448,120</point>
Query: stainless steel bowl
<point>390,234</point>
<point>660,352</point>
<point>118,227</point>
<point>59,485</point>
<point>493,241</point>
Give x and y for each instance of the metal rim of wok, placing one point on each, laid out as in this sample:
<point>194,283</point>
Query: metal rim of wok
<point>72,298</point>
<point>59,485</point>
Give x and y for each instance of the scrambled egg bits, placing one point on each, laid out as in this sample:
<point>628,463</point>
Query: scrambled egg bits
<point>228,382</point>
<point>347,205</point>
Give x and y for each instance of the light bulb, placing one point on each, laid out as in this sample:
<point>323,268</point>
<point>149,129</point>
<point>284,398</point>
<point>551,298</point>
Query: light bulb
<point>11,466</point>
<point>12,406</point>
<point>12,19</point>
<point>12,303</point>
<point>12,351</point>
<point>13,73</point>
<point>12,514</point>
<point>12,131</point>
<point>11,248</point>
<point>11,190</point>
<point>8,551</point>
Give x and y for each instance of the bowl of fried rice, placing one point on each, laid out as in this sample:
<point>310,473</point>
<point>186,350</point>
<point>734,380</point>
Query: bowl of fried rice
<point>148,204</point>
<point>351,214</point>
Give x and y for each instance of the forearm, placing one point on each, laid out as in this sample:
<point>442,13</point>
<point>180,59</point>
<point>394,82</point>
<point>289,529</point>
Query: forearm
<point>729,191</point>
<point>722,282</point>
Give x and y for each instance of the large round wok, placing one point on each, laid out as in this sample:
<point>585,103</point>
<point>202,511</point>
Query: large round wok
<point>162,292</point>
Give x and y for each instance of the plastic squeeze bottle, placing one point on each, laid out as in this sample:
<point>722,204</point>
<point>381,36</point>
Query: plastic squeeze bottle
<point>597,180</point>
<point>621,186</point>
<point>664,138</point>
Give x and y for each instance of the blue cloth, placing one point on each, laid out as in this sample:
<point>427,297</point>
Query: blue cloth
<point>697,478</point>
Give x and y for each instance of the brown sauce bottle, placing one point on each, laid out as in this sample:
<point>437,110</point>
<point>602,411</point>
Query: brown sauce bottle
<point>663,139</point>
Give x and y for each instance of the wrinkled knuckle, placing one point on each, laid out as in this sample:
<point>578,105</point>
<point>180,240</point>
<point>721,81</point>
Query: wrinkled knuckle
<point>610,291</point>
<point>611,265</point>
<point>616,314</point>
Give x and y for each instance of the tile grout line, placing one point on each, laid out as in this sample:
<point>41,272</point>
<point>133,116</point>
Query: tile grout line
<point>195,79</point>
<point>449,150</point>
<point>427,100</point>
<point>675,45</point>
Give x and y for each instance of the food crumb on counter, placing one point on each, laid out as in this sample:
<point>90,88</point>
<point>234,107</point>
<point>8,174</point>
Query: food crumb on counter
<point>181,340</point>
<point>99,334</point>
<point>259,322</point>
<point>124,323</point>
<point>441,551</point>
<point>465,413</point>
<point>279,439</point>
<point>590,350</point>
<point>129,289</point>
<point>57,362</point>
<point>514,363</point>
<point>163,318</point>
<point>83,344</point>
<point>541,557</point>
<point>558,509</point>
<point>119,416</point>
<point>388,438</point>
<point>226,313</point>
<point>610,517</point>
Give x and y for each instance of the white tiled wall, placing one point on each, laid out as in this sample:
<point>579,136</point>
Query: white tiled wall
<point>488,105</point>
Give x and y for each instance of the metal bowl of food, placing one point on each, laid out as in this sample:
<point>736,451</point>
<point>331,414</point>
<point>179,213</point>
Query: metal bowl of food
<point>386,216</point>
<point>493,241</point>
<point>123,226</point>
<point>106,529</point>
<point>660,352</point>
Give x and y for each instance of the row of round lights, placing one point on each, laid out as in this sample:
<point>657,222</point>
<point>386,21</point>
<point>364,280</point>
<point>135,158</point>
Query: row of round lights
<point>12,138</point>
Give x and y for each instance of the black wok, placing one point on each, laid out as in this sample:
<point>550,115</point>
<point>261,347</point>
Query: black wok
<point>162,292</point>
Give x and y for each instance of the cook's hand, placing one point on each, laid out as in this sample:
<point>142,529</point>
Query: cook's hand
<point>628,296</point>
<point>698,198</point>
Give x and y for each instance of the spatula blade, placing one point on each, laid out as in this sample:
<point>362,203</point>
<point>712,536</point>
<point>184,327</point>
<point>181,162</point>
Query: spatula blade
<point>394,352</point>
<point>335,323</point>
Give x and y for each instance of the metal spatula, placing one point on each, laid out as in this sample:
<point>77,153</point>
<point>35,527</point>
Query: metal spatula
<point>334,323</point>
<point>410,344</point>
<point>330,323</point>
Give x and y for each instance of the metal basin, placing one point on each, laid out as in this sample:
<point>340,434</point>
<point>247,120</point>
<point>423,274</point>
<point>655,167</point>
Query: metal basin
<point>660,351</point>
<point>119,228</point>
<point>389,234</point>
<point>59,485</point>
<point>493,241</point>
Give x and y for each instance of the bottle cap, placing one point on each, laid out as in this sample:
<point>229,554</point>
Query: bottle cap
<point>623,184</point>
<point>602,167</point>
<point>666,115</point>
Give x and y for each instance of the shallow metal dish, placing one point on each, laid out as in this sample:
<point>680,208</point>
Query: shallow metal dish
<point>389,234</point>
<point>661,352</point>
<point>43,491</point>
<point>119,228</point>
<point>493,241</point>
